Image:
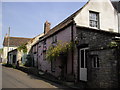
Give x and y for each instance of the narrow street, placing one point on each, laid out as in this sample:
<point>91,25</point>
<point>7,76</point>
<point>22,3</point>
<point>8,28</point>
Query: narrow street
<point>13,78</point>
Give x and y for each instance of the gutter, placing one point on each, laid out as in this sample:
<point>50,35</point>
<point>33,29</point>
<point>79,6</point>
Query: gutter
<point>118,21</point>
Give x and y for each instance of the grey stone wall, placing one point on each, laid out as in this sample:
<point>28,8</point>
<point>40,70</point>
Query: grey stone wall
<point>106,75</point>
<point>95,39</point>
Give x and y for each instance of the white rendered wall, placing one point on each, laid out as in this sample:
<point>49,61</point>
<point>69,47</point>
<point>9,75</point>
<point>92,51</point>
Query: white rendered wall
<point>107,15</point>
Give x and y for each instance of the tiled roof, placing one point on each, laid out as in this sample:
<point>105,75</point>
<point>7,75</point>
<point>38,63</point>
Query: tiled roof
<point>40,35</point>
<point>15,41</point>
<point>116,5</point>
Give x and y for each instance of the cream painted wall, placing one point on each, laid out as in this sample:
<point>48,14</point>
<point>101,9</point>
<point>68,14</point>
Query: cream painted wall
<point>19,56</point>
<point>5,51</point>
<point>30,44</point>
<point>107,15</point>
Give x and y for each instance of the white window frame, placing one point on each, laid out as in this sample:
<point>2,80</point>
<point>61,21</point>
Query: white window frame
<point>84,49</point>
<point>95,61</point>
<point>94,19</point>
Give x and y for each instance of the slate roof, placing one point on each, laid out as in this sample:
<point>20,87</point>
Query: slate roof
<point>61,25</point>
<point>69,20</point>
<point>116,5</point>
<point>40,35</point>
<point>100,31</point>
<point>15,41</point>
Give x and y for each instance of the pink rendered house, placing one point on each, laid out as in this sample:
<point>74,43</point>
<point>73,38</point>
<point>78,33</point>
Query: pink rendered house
<point>92,60</point>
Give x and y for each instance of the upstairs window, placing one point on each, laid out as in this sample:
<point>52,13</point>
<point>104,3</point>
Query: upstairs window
<point>94,19</point>
<point>39,45</point>
<point>44,42</point>
<point>44,55</point>
<point>44,46</point>
<point>54,39</point>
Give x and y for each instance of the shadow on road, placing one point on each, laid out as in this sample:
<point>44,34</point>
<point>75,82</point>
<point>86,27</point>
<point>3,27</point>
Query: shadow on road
<point>56,84</point>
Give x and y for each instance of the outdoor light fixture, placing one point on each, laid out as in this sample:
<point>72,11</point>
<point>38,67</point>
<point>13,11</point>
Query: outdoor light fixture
<point>76,40</point>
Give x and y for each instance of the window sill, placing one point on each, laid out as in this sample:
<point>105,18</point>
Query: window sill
<point>52,70</point>
<point>94,28</point>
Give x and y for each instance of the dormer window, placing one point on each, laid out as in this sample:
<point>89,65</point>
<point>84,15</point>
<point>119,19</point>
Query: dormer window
<point>94,19</point>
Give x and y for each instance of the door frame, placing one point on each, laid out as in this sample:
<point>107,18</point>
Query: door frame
<point>79,64</point>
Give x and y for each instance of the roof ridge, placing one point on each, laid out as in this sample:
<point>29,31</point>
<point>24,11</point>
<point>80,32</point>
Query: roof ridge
<point>21,37</point>
<point>66,20</point>
<point>73,15</point>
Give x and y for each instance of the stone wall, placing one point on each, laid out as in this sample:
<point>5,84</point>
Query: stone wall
<point>98,42</point>
<point>106,75</point>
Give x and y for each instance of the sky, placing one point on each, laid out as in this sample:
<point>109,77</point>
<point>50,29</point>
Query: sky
<point>26,19</point>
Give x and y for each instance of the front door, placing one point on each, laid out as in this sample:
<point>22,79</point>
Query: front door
<point>14,59</point>
<point>83,64</point>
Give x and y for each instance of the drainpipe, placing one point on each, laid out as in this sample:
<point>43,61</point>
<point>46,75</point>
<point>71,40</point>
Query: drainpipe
<point>118,23</point>
<point>118,14</point>
<point>37,56</point>
<point>72,40</point>
<point>118,62</point>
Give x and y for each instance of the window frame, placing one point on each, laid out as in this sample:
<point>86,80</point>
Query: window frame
<point>44,46</point>
<point>54,39</point>
<point>94,20</point>
<point>83,61</point>
<point>44,55</point>
<point>53,65</point>
<point>95,61</point>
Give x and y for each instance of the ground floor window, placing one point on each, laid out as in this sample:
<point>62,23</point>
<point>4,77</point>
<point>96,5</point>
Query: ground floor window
<point>95,61</point>
<point>53,65</point>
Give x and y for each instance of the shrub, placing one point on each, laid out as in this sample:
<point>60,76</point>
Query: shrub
<point>29,61</point>
<point>23,48</point>
<point>56,51</point>
<point>7,65</point>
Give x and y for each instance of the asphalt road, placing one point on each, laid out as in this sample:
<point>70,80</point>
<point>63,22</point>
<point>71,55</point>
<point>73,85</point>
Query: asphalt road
<point>13,78</point>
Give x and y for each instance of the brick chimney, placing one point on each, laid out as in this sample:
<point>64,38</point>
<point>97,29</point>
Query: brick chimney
<point>46,27</point>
